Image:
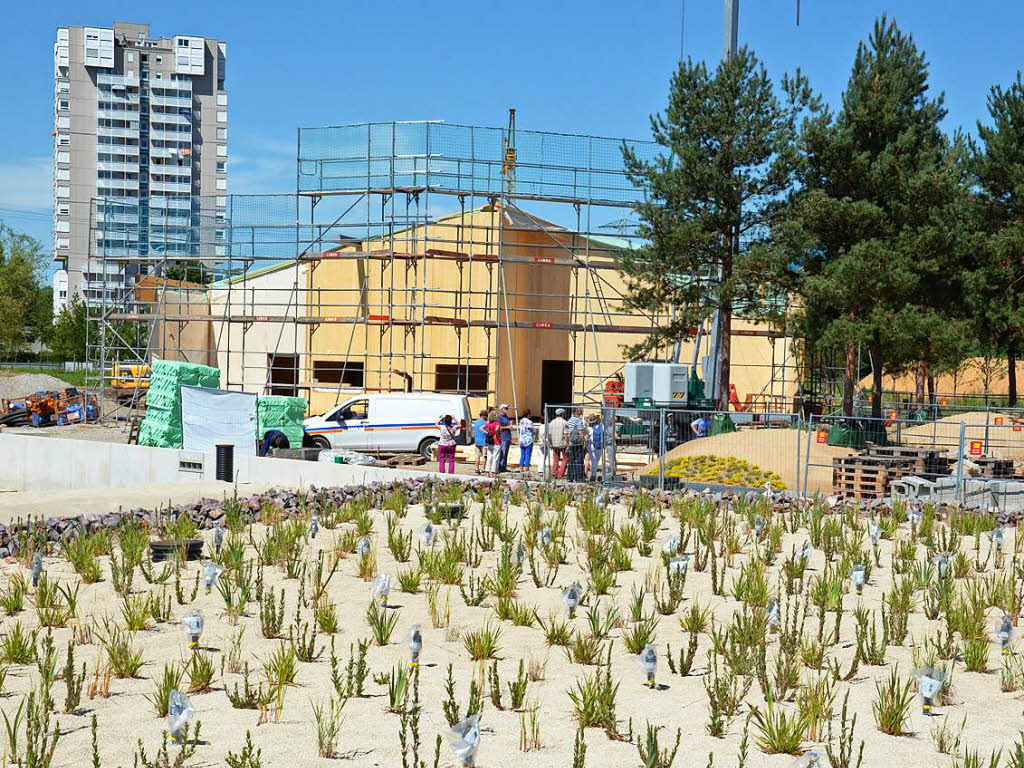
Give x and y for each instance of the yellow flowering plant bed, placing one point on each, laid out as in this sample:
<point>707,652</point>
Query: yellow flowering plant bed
<point>720,470</point>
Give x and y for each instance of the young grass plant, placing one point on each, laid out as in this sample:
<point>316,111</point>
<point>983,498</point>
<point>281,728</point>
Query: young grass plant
<point>556,630</point>
<point>200,673</point>
<point>382,623</point>
<point>82,552</point>
<point>891,708</point>
<point>136,612</point>
<point>326,614</point>
<point>328,717</point>
<point>593,700</point>
<point>18,646</point>
<point>639,635</point>
<point>169,680</point>
<point>482,643</point>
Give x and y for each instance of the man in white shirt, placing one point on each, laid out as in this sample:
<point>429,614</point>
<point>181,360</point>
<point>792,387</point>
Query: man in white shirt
<point>556,441</point>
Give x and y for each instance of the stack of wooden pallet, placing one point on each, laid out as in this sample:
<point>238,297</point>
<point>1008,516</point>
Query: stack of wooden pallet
<point>868,477</point>
<point>928,462</point>
<point>992,467</point>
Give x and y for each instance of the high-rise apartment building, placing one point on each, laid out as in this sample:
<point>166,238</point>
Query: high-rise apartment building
<point>140,153</point>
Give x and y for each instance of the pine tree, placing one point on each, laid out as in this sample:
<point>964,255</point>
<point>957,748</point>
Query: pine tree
<point>876,236</point>
<point>729,141</point>
<point>997,285</point>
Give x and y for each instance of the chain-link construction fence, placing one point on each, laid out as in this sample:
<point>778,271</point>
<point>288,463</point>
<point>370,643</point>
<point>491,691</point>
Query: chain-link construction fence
<point>667,447</point>
<point>974,458</point>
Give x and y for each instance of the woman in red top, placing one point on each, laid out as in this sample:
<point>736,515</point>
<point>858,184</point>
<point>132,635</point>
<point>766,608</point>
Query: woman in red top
<point>493,443</point>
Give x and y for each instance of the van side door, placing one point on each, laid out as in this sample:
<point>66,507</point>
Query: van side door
<point>349,429</point>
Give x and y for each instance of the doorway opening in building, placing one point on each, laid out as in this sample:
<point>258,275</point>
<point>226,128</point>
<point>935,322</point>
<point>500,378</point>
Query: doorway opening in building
<point>556,382</point>
<point>284,374</point>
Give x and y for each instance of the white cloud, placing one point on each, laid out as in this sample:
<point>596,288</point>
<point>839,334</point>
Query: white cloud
<point>27,183</point>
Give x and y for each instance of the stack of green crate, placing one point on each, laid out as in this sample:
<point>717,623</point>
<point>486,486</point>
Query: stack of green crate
<point>282,413</point>
<point>162,426</point>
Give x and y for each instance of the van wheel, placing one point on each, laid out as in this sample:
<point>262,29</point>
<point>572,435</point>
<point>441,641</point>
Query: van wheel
<point>321,442</point>
<point>428,448</point>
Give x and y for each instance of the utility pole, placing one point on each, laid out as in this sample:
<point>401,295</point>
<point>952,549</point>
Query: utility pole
<point>732,20</point>
<point>712,368</point>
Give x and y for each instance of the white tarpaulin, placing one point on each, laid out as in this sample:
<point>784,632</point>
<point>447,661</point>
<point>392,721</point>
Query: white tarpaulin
<point>212,416</point>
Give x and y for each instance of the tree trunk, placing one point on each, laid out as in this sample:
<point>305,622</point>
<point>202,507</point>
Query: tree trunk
<point>1011,375</point>
<point>725,326</point>
<point>931,390</point>
<point>876,378</point>
<point>919,379</point>
<point>725,351</point>
<point>849,378</point>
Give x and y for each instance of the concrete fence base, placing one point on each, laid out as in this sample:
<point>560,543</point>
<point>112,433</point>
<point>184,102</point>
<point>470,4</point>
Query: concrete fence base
<point>30,463</point>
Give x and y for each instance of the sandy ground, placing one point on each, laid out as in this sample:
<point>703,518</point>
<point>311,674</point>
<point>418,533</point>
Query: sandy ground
<point>997,433</point>
<point>369,735</point>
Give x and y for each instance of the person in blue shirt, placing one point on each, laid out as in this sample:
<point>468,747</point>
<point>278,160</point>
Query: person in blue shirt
<point>505,425</point>
<point>480,439</point>
<point>273,438</point>
<point>700,426</point>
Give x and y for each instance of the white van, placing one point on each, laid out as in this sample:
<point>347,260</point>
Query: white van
<point>388,422</point>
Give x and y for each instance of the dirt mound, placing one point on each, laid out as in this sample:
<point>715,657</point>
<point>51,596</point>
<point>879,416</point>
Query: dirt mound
<point>995,432</point>
<point>24,384</point>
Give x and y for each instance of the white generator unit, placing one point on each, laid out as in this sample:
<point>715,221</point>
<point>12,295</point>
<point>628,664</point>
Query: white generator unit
<point>657,382</point>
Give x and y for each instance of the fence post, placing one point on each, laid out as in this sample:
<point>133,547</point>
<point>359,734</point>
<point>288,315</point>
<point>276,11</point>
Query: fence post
<point>546,447</point>
<point>807,456</point>
<point>799,429</point>
<point>661,450</point>
<point>610,448</point>
<point>960,495</point>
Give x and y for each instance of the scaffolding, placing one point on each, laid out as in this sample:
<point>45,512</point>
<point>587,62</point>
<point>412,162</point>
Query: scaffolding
<point>412,256</point>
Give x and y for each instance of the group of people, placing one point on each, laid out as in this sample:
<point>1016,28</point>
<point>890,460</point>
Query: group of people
<point>492,438</point>
<point>574,445</point>
<point>572,441</point>
<point>569,442</point>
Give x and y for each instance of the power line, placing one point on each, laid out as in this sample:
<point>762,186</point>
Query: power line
<point>22,213</point>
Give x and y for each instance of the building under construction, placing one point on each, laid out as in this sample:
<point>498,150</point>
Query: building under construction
<point>413,256</point>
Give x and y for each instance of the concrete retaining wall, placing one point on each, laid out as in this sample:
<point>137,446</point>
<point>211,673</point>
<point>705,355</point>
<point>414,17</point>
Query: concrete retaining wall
<point>30,463</point>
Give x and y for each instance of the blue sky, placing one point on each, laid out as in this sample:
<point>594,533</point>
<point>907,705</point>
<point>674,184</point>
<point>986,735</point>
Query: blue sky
<point>597,67</point>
